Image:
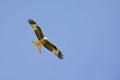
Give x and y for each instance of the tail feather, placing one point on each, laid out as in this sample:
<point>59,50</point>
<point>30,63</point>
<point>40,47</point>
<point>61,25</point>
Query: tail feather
<point>38,44</point>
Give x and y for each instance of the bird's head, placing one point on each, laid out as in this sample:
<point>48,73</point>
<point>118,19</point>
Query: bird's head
<point>45,38</point>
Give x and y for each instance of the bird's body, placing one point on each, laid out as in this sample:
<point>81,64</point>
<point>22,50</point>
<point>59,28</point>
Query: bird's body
<point>43,41</point>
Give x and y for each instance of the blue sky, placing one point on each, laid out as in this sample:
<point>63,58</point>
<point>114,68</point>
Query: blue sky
<point>86,31</point>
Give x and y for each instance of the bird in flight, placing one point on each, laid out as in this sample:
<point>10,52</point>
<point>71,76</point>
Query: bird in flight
<point>43,41</point>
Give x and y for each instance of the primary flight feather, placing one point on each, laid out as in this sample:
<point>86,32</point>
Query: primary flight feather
<point>43,41</point>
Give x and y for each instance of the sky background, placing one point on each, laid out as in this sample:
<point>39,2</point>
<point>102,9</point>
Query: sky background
<point>86,31</point>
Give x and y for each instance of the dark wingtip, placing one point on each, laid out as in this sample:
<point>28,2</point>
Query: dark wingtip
<point>30,21</point>
<point>60,55</point>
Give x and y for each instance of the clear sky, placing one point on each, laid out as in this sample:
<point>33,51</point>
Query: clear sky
<point>86,31</point>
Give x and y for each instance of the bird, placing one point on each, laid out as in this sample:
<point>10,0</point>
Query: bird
<point>43,40</point>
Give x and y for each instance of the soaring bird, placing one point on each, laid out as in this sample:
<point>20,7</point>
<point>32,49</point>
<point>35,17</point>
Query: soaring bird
<point>43,41</point>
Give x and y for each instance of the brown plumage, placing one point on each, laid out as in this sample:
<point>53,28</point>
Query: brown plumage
<point>42,40</point>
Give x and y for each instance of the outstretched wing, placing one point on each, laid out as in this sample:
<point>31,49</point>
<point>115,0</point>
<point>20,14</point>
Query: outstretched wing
<point>51,47</point>
<point>36,28</point>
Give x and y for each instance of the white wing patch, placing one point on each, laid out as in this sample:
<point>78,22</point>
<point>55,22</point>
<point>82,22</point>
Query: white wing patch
<point>56,52</point>
<point>34,26</point>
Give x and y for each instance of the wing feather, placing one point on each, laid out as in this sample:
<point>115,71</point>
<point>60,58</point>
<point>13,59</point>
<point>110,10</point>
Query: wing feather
<point>51,47</point>
<point>36,28</point>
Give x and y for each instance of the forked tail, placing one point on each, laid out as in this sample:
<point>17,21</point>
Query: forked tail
<point>38,44</point>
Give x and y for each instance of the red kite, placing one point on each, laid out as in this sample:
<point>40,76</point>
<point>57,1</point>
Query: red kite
<point>43,41</point>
